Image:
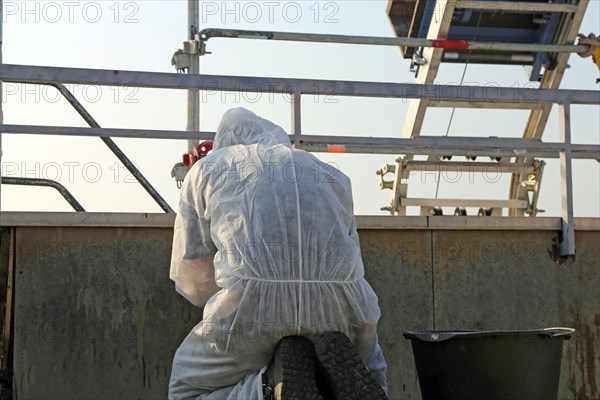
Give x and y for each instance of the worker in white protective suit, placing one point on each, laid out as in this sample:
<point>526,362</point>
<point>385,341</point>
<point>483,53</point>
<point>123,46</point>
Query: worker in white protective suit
<point>265,239</point>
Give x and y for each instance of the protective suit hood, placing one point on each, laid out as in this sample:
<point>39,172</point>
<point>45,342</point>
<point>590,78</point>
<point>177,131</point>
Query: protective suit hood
<point>241,126</point>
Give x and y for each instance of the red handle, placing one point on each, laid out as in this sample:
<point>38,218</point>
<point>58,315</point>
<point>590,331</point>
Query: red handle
<point>450,44</point>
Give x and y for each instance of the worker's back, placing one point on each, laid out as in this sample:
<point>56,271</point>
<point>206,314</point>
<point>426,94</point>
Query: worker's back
<point>280,214</point>
<point>278,226</point>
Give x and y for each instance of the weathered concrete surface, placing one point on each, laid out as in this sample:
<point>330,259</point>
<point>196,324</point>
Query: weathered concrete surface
<point>96,314</point>
<point>97,318</point>
<point>398,266</point>
<point>501,280</point>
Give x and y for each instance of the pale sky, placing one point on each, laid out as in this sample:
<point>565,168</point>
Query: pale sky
<point>143,35</point>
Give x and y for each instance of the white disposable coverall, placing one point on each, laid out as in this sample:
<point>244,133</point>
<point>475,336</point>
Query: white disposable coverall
<point>274,228</point>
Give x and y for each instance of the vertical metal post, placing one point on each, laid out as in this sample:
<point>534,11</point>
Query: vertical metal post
<point>193,102</point>
<point>296,119</point>
<point>567,246</point>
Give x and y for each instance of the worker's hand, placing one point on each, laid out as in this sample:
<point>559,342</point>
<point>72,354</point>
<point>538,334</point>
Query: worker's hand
<point>591,40</point>
<point>195,280</point>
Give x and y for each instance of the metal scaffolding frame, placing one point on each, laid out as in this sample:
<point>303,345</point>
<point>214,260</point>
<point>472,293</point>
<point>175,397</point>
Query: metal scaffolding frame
<point>439,28</point>
<point>514,156</point>
<point>135,172</point>
<point>296,88</point>
<point>536,124</point>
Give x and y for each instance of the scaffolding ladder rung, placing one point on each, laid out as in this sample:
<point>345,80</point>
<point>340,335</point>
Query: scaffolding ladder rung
<point>420,202</point>
<point>522,7</point>
<point>432,166</point>
<point>516,105</point>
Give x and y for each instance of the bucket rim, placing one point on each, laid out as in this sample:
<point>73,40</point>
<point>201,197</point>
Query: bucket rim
<point>443,335</point>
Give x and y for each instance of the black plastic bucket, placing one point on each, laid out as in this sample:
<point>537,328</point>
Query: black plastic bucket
<point>504,365</point>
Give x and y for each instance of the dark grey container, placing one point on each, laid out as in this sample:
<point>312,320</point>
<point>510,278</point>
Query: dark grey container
<point>501,365</point>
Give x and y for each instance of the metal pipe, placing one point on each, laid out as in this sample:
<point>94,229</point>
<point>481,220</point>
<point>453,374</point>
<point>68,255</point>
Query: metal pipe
<point>567,245</point>
<point>459,146</point>
<point>252,84</point>
<point>45,182</point>
<point>106,132</point>
<point>296,102</point>
<point>114,148</point>
<point>193,96</point>
<point>444,151</point>
<point>206,34</point>
<point>515,145</point>
<point>193,18</point>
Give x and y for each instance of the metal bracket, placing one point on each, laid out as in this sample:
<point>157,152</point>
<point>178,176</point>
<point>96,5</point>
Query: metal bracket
<point>533,185</point>
<point>179,172</point>
<point>201,46</point>
<point>417,61</point>
<point>181,61</point>
<point>182,58</point>
<point>381,172</point>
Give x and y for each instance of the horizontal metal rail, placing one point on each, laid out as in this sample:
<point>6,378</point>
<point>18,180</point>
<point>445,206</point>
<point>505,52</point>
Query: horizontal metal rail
<point>220,83</point>
<point>47,183</point>
<point>102,132</point>
<point>207,34</point>
<point>444,145</point>
<point>464,142</point>
<point>435,145</point>
<point>440,151</point>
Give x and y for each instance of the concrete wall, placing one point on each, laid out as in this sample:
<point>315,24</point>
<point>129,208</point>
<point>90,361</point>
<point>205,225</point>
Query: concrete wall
<point>96,316</point>
<point>485,280</point>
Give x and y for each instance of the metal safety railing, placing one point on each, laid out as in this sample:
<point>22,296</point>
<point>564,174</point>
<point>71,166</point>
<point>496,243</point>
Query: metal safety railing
<point>64,192</point>
<point>135,172</point>
<point>207,34</point>
<point>294,89</point>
